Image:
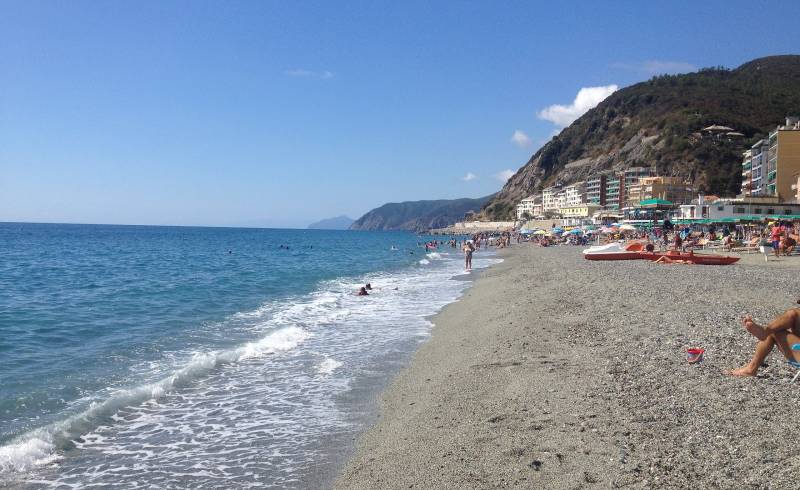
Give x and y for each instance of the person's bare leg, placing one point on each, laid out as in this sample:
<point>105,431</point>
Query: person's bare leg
<point>784,340</point>
<point>763,348</point>
<point>767,336</point>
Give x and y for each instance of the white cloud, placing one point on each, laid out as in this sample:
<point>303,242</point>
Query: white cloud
<point>521,139</point>
<point>469,176</point>
<point>587,98</point>
<point>504,175</point>
<point>657,67</point>
<point>321,75</point>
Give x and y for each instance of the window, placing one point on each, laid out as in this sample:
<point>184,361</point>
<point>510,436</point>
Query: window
<point>770,211</point>
<point>720,208</point>
<point>787,211</point>
<point>739,210</point>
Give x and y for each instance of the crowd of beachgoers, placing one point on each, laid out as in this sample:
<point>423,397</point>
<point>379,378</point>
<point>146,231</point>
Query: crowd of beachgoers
<point>778,237</point>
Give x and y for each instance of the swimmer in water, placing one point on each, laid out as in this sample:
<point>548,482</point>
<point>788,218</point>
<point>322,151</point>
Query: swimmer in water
<point>368,287</point>
<point>362,292</point>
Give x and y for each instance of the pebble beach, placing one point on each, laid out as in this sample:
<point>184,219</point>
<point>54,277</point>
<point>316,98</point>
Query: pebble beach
<point>556,372</point>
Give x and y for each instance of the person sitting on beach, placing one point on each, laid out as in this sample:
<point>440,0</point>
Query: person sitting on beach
<point>782,332</point>
<point>727,242</point>
<point>362,292</point>
<point>788,244</point>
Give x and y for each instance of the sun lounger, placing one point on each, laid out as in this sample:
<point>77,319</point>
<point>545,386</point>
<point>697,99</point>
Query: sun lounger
<point>749,247</point>
<point>795,364</point>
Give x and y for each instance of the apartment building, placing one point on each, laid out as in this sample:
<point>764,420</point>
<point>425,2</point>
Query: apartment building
<point>596,190</point>
<point>549,201</point>
<point>783,160</point>
<point>528,205</point>
<point>754,164</point>
<point>671,189</point>
<point>575,194</point>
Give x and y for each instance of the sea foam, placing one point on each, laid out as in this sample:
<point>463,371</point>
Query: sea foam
<point>37,447</point>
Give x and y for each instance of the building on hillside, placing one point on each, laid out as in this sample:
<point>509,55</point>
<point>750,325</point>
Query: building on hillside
<point>578,214</point>
<point>783,159</point>
<point>596,190</point>
<point>754,166</point>
<point>671,189</point>
<point>717,132</point>
<point>561,199</point>
<point>575,194</point>
<point>549,198</point>
<point>528,206</point>
<point>629,178</point>
<point>613,193</point>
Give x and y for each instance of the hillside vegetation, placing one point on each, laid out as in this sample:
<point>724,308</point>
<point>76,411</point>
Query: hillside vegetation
<point>653,123</point>
<point>418,215</point>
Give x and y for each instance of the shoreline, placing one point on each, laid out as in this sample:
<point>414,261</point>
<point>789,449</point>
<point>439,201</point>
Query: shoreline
<point>555,372</point>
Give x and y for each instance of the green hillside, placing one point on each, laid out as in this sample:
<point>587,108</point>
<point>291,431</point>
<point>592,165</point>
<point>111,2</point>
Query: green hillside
<point>654,123</point>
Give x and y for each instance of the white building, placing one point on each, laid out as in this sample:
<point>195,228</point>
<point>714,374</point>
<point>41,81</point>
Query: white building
<point>747,208</point>
<point>549,202</point>
<point>574,194</point>
<point>528,205</point>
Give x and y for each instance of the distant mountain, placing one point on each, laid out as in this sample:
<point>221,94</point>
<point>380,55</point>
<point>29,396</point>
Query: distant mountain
<point>418,215</point>
<point>337,223</point>
<point>656,124</point>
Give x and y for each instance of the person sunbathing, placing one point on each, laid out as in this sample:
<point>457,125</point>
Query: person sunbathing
<point>782,332</point>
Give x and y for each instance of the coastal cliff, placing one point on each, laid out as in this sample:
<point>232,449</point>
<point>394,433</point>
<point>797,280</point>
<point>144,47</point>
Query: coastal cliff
<point>657,123</point>
<point>418,215</point>
<point>336,223</point>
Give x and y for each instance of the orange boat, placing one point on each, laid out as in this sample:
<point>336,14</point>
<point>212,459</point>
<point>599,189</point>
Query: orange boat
<point>636,251</point>
<point>691,257</point>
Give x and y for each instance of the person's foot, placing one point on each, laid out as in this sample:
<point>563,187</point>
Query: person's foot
<point>742,372</point>
<point>755,330</point>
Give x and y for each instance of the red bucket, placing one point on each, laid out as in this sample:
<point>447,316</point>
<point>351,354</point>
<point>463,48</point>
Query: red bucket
<point>694,355</point>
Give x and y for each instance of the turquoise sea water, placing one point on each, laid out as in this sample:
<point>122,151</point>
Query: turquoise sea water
<point>170,356</point>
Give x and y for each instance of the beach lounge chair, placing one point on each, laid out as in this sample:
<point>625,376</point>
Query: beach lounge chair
<point>795,364</point>
<point>751,246</point>
<point>766,250</point>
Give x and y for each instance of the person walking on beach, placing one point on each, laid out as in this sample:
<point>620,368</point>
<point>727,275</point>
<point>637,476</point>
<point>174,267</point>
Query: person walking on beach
<point>468,249</point>
<point>782,332</point>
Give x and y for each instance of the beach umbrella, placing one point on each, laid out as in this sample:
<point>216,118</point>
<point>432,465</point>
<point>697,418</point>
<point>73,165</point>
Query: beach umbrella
<point>540,232</point>
<point>627,227</point>
<point>614,224</point>
<point>557,230</point>
<point>575,231</point>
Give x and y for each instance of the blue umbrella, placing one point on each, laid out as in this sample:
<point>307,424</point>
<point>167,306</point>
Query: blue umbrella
<point>575,231</point>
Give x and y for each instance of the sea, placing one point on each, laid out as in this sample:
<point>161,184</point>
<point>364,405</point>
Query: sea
<point>176,357</point>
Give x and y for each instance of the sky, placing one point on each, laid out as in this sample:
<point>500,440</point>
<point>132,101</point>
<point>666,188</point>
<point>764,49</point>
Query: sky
<point>278,114</point>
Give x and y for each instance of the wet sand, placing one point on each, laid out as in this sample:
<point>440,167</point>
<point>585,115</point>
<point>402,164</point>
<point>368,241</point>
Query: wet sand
<point>556,372</point>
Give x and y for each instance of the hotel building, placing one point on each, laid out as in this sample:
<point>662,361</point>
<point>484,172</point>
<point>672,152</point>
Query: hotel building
<point>783,160</point>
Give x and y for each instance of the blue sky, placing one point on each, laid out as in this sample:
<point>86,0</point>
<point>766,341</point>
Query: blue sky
<point>280,113</point>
